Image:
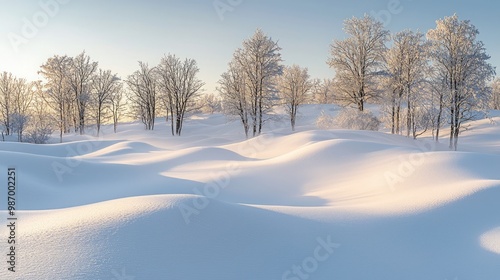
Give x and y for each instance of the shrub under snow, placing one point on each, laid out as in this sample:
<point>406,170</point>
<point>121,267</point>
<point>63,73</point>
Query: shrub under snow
<point>349,119</point>
<point>38,135</point>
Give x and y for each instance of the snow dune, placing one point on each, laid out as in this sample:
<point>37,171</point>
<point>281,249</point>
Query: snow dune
<point>209,205</point>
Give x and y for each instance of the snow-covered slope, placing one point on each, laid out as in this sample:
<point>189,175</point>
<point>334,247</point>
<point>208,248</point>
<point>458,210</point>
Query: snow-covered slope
<point>210,205</point>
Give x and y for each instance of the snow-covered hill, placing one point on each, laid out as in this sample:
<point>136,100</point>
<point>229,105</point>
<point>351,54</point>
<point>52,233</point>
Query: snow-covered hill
<point>210,205</point>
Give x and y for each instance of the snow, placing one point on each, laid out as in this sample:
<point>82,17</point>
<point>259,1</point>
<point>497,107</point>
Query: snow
<point>312,204</point>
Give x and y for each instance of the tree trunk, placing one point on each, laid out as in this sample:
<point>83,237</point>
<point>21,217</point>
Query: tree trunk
<point>440,113</point>
<point>98,121</point>
<point>260,113</point>
<point>398,121</point>
<point>409,112</point>
<point>61,125</point>
<point>172,125</point>
<point>393,114</point>
<point>361,105</point>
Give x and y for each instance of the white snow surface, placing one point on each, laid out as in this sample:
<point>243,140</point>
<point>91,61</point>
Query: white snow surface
<point>309,204</point>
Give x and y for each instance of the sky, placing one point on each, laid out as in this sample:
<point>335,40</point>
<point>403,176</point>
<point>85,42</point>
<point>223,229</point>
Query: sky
<point>118,34</point>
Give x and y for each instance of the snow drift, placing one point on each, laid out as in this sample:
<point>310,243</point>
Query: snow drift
<point>314,204</point>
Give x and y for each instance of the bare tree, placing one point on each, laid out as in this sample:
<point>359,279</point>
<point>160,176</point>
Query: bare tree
<point>104,85</point>
<point>117,105</point>
<point>393,94</point>
<point>143,89</point>
<point>294,86</point>
<point>57,90</point>
<point>260,60</point>
<point>7,84</point>
<point>495,94</point>
<point>22,98</point>
<point>406,64</point>
<point>322,91</point>
<point>16,98</point>
<point>42,121</point>
<point>461,61</point>
<point>235,99</point>
<point>210,103</point>
<point>357,59</point>
<point>80,76</point>
<point>180,86</point>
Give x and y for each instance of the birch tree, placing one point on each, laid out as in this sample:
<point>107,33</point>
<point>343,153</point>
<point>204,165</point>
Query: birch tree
<point>461,60</point>
<point>357,60</point>
<point>294,86</point>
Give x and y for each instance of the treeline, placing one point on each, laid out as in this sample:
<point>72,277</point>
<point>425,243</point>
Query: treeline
<point>75,92</point>
<point>421,82</point>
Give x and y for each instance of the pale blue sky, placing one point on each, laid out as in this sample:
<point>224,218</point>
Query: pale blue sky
<point>117,34</point>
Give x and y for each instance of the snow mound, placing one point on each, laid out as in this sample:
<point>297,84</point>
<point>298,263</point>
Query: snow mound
<point>306,205</point>
<point>148,238</point>
<point>491,240</point>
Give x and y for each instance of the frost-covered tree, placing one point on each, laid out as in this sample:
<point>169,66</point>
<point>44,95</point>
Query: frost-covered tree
<point>180,87</point>
<point>293,87</point>
<point>57,93</point>
<point>259,61</point>
<point>357,60</point>
<point>235,99</point>
<point>80,76</point>
<point>210,103</point>
<point>143,94</point>
<point>117,105</point>
<point>104,85</point>
<point>495,94</point>
<point>461,60</point>
<point>322,91</point>
<point>22,99</point>
<point>349,118</point>
<point>7,84</point>
<point>406,64</point>
<point>436,90</point>
<point>41,122</point>
<point>16,99</point>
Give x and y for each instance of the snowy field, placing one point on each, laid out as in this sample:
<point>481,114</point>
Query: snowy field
<point>312,204</point>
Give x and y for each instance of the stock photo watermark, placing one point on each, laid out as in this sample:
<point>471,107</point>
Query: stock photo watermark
<point>409,164</point>
<point>31,26</point>
<point>72,160</point>
<point>393,8</point>
<point>121,275</point>
<point>225,6</point>
<point>220,180</point>
<point>310,264</point>
<point>12,222</point>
